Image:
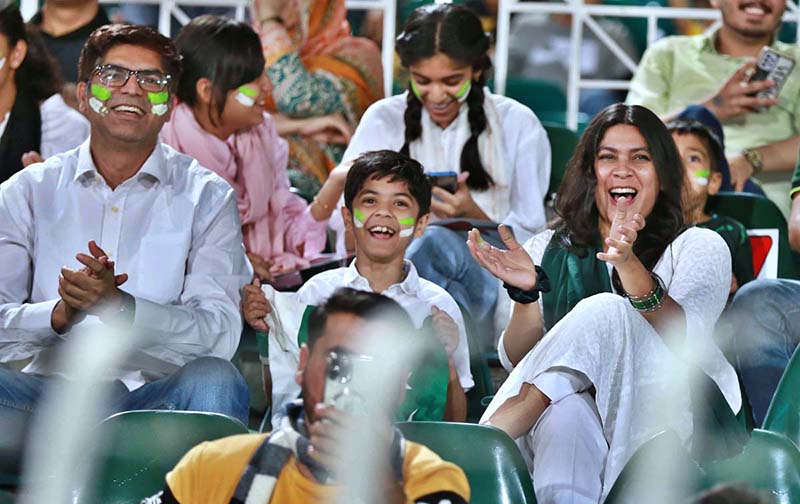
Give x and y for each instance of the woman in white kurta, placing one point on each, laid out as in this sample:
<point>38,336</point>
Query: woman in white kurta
<point>633,295</point>
<point>448,121</point>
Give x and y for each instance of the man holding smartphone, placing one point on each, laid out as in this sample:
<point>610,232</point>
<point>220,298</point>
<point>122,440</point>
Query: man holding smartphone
<point>304,459</point>
<point>761,134</point>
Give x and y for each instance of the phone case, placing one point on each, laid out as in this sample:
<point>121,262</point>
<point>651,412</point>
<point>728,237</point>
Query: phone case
<point>774,66</point>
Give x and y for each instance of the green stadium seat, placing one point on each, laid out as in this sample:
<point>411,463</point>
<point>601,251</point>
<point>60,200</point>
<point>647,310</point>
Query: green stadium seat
<point>140,447</point>
<point>770,462</point>
<point>491,460</point>
<point>645,476</point>
<point>562,145</point>
<point>769,234</point>
<point>783,415</point>
<point>479,367</point>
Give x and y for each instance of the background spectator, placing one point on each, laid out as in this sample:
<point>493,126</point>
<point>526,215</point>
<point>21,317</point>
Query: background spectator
<point>65,26</point>
<point>220,121</point>
<point>539,48</point>
<point>682,70</point>
<point>33,117</point>
<point>316,69</point>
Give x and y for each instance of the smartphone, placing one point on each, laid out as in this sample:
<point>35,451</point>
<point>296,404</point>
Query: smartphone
<point>347,380</point>
<point>774,66</point>
<point>447,180</point>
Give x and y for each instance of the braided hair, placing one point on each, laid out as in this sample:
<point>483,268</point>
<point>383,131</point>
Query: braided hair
<point>456,32</point>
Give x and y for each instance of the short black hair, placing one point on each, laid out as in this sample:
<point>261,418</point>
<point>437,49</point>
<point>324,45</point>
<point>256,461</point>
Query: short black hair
<point>376,165</point>
<point>704,133</point>
<point>39,73</point>
<point>363,304</point>
<point>222,50</point>
<point>106,37</point>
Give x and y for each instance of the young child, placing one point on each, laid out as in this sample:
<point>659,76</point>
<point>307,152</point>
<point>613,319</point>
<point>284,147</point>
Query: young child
<point>387,204</point>
<point>702,153</point>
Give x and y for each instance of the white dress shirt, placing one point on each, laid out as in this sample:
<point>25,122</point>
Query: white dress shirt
<point>63,128</point>
<point>173,228</point>
<point>518,200</point>
<point>416,295</point>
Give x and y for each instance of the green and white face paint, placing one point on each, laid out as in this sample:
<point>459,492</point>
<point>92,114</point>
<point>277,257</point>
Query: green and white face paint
<point>701,177</point>
<point>247,96</point>
<point>460,95</point>
<point>406,224</point>
<point>100,95</point>
<point>159,102</point>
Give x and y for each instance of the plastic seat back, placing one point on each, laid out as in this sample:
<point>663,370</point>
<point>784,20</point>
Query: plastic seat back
<point>769,234</point>
<point>479,368</point>
<point>138,449</point>
<point>494,466</point>
<point>661,470</point>
<point>770,461</point>
<point>783,415</point>
<point>562,145</point>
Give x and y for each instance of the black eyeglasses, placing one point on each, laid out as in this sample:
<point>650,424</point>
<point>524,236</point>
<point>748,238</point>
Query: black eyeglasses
<point>116,76</point>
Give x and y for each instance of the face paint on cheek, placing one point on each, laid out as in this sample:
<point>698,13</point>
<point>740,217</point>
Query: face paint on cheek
<point>2,62</point>
<point>100,95</point>
<point>247,96</point>
<point>408,231</point>
<point>358,218</point>
<point>159,102</point>
<point>415,89</point>
<point>463,91</point>
<point>701,177</point>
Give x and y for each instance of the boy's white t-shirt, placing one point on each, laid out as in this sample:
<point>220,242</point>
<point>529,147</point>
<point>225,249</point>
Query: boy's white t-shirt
<point>416,295</point>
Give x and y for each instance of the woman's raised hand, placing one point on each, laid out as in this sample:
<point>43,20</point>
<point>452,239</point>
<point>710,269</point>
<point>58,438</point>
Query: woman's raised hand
<point>513,266</point>
<point>624,232</point>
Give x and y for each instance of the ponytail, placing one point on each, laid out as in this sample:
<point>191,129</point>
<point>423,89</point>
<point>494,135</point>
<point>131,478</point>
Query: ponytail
<point>412,118</point>
<point>478,178</point>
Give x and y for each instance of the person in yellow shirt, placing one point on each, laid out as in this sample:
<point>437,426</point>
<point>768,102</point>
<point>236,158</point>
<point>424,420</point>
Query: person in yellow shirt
<point>298,462</point>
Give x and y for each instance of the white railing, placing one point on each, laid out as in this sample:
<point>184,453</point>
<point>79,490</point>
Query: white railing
<point>584,14</point>
<point>167,9</point>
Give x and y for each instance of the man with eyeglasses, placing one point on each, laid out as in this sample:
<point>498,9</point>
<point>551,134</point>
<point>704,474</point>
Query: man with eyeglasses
<point>126,233</point>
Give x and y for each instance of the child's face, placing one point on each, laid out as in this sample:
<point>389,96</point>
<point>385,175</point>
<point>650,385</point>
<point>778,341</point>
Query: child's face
<point>700,182</point>
<point>384,219</point>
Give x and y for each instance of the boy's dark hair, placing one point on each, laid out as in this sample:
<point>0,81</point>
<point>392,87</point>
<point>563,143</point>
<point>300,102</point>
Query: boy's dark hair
<point>106,37</point>
<point>704,133</point>
<point>39,73</point>
<point>222,50</point>
<point>398,167</point>
<point>365,305</point>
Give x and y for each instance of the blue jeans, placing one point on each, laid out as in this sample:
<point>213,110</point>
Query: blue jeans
<point>205,384</point>
<point>765,317</point>
<point>441,256</point>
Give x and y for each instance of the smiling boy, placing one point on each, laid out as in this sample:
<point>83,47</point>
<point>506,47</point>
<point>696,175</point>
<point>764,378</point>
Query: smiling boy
<point>387,204</point>
<point>702,154</point>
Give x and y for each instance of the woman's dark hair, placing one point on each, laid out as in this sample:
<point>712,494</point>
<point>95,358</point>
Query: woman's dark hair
<point>704,133</point>
<point>224,51</point>
<point>386,163</point>
<point>38,74</point>
<point>575,205</point>
<point>456,32</point>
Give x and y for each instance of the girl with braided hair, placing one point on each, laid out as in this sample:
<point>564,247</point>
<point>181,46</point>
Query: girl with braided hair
<point>448,121</point>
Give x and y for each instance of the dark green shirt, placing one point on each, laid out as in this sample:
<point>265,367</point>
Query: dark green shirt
<point>735,235</point>
<point>795,180</point>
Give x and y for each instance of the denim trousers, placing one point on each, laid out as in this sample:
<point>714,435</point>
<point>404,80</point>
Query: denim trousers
<point>765,330</point>
<point>206,384</point>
